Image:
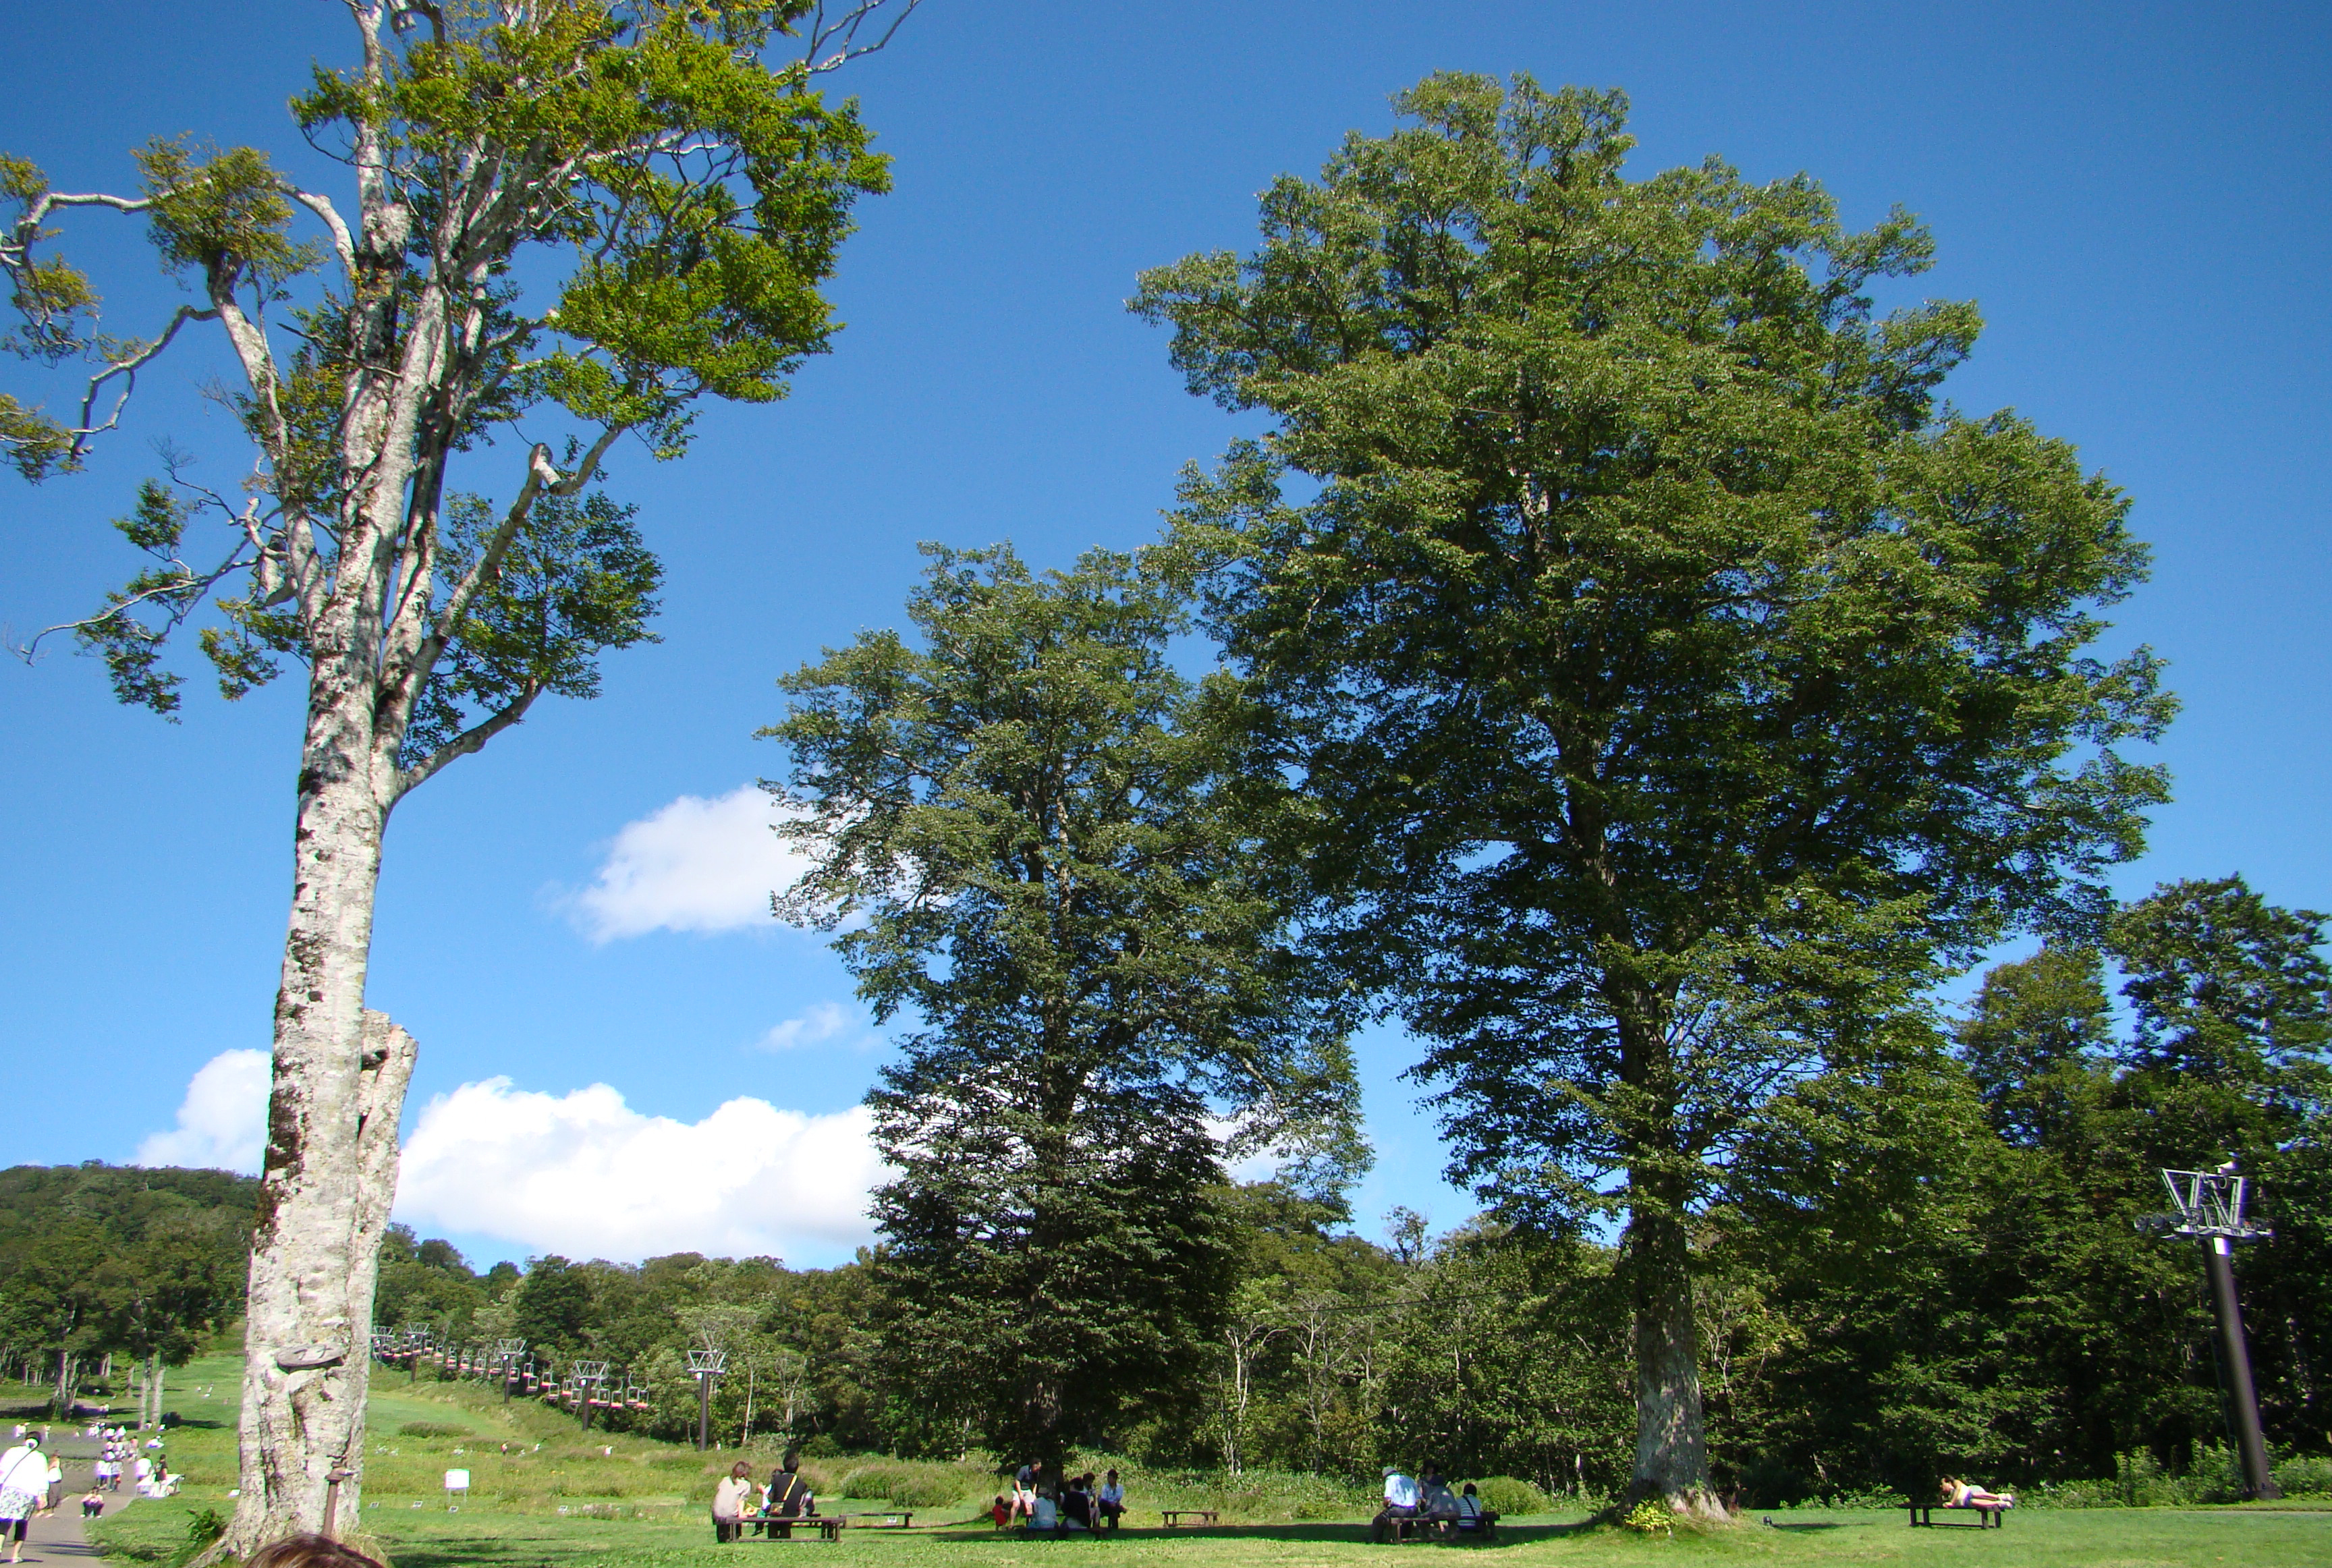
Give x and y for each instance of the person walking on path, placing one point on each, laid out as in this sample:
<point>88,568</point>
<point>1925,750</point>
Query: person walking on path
<point>23,1482</point>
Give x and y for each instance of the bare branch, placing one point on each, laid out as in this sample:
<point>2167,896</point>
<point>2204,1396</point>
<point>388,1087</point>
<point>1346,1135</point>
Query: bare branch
<point>469,740</point>
<point>321,205</point>
<point>128,367</point>
<point>842,33</point>
<point>189,583</point>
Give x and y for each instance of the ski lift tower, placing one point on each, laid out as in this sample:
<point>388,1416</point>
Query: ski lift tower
<point>2210,1209</point>
<point>589,1375</point>
<point>506,1355</point>
<point>704,1365</point>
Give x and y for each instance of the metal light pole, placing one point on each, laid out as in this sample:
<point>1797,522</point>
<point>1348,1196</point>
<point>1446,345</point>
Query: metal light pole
<point>586,1374</point>
<point>506,1355</point>
<point>704,1365</point>
<point>2210,1205</point>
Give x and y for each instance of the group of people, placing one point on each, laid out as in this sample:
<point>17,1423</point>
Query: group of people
<point>1083,1503</point>
<point>1431,1500</point>
<point>117,1457</point>
<point>786,1498</point>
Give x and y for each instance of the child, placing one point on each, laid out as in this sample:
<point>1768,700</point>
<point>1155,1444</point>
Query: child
<point>92,1504</point>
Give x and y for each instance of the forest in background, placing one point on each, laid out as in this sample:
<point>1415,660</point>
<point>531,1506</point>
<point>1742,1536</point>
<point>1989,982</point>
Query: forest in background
<point>1948,1267</point>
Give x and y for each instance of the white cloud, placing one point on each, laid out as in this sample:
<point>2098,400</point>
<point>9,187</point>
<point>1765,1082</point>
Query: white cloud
<point>586,1175</point>
<point>696,865</point>
<point>222,1121</point>
<point>821,1023</point>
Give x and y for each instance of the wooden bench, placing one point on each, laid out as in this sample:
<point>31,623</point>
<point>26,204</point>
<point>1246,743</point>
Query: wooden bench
<point>1174,1517</point>
<point>1923,1516</point>
<point>830,1525</point>
<point>892,1519</point>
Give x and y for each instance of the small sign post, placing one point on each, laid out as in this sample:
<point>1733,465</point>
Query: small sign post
<point>455,1481</point>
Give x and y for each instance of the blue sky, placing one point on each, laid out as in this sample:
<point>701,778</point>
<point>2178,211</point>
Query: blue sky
<point>2136,194</point>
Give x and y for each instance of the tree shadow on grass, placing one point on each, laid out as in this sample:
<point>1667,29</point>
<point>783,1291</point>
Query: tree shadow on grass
<point>1349,1533</point>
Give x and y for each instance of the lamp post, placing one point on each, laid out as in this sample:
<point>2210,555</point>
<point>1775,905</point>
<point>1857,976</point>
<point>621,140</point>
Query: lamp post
<point>2210,1209</point>
<point>588,1375</point>
<point>506,1355</point>
<point>416,1340</point>
<point>704,1365</point>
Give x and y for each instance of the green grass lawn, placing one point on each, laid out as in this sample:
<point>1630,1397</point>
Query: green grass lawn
<point>544,1496</point>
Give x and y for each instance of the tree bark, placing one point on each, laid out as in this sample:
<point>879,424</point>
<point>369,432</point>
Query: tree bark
<point>1671,1444</point>
<point>340,1073</point>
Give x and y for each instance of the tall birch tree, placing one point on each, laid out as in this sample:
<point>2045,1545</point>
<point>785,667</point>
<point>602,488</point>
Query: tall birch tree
<point>1678,679</point>
<point>589,214</point>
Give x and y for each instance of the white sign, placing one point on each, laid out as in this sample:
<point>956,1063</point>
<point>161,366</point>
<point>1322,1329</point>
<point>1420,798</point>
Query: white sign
<point>457,1480</point>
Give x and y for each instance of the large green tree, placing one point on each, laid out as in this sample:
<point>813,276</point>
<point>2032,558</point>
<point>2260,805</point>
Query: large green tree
<point>586,214</point>
<point>1676,677</point>
<point>1055,871</point>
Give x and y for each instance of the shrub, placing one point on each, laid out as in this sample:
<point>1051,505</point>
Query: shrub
<point>906,1484</point>
<point>431,1430</point>
<point>2305,1477</point>
<point>1507,1495</point>
<point>1649,1517</point>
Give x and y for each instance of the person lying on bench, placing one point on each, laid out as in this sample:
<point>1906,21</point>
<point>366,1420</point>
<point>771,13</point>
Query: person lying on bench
<point>1962,1495</point>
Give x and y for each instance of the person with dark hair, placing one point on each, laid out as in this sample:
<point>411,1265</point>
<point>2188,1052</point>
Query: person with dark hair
<point>1076,1506</point>
<point>92,1504</point>
<point>23,1482</point>
<point>789,1497</point>
<point>308,1552</point>
<point>1110,1502</point>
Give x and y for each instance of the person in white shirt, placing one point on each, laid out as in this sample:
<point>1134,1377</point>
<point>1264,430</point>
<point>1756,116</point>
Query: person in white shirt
<point>729,1502</point>
<point>1470,1514</point>
<point>1110,1504</point>
<point>1400,1498</point>
<point>24,1482</point>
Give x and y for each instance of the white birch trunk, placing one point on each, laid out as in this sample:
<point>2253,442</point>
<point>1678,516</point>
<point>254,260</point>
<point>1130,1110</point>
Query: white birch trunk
<point>339,1089</point>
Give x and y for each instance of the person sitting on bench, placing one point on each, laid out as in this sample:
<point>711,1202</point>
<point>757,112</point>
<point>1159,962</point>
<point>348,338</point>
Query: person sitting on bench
<point>1045,1516</point>
<point>789,1498</point>
<point>1962,1495</point>
<point>1470,1514</point>
<point>1436,1502</point>
<point>1112,1503</point>
<point>1401,1497</point>
<point>1076,1506</point>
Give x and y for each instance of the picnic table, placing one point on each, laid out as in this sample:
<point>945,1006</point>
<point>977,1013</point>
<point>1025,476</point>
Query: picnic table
<point>1174,1517</point>
<point>1923,1516</point>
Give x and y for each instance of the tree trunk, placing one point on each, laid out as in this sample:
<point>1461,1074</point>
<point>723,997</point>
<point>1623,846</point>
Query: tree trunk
<point>1671,1442</point>
<point>339,1089</point>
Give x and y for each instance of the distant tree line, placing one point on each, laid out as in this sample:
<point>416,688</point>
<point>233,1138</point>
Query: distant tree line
<point>1928,1260</point>
<point>127,1269</point>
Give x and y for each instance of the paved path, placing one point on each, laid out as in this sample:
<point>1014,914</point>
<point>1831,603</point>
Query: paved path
<point>60,1536</point>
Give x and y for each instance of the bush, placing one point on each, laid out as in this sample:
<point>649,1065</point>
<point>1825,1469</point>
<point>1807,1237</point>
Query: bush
<point>1507,1496</point>
<point>906,1484</point>
<point>1649,1517</point>
<point>2305,1477</point>
<point>431,1430</point>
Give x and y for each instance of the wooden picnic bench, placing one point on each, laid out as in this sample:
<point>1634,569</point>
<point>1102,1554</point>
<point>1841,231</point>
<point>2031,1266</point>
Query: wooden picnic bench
<point>1417,1526</point>
<point>1923,1516</point>
<point>830,1525</point>
<point>892,1519</point>
<point>1174,1517</point>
